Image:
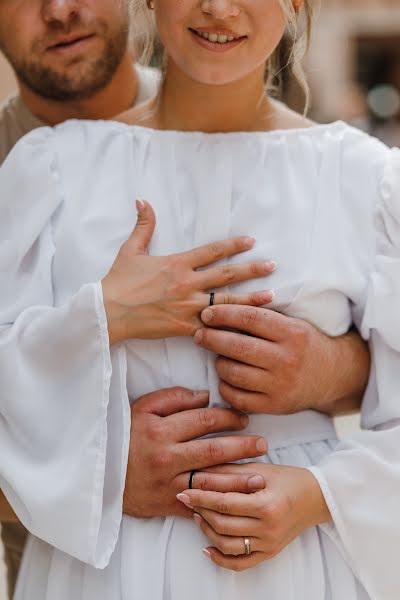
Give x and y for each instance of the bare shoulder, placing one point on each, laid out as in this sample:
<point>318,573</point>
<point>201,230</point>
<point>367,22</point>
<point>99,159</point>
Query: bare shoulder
<point>286,118</point>
<point>142,115</point>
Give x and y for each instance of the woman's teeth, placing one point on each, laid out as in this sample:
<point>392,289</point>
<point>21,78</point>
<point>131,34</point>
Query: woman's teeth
<point>216,37</point>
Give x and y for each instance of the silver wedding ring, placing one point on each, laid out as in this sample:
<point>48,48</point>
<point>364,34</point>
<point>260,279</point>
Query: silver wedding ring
<point>212,297</point>
<point>247,547</point>
<point>191,478</point>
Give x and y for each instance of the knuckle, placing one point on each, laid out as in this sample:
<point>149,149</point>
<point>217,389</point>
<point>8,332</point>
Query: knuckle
<point>222,504</point>
<point>155,430</point>
<point>220,527</point>
<point>299,332</point>
<point>235,375</point>
<point>203,483</point>
<point>216,250</point>
<point>239,346</point>
<point>273,513</point>
<point>180,287</point>
<point>249,317</point>
<point>161,460</point>
<point>175,394</point>
<point>215,452</point>
<point>206,418</point>
<point>227,273</point>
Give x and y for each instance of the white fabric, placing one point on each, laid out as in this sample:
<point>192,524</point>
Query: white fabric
<point>323,202</point>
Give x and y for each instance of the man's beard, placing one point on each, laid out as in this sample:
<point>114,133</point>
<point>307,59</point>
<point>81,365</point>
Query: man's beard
<point>90,76</point>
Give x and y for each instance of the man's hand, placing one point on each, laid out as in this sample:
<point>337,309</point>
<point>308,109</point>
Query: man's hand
<point>282,365</point>
<point>164,450</point>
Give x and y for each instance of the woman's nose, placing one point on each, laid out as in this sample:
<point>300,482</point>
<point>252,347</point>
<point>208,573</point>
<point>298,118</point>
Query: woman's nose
<point>221,9</point>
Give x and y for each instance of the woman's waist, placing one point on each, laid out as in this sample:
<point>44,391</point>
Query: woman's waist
<point>281,431</point>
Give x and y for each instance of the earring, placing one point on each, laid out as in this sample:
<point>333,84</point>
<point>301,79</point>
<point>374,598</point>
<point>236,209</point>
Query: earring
<point>150,4</point>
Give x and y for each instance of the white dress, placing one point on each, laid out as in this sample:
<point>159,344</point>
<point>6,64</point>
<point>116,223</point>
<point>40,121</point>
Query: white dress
<point>325,204</point>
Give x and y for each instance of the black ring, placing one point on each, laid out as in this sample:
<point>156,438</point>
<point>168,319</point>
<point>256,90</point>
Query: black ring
<point>212,296</point>
<point>191,477</point>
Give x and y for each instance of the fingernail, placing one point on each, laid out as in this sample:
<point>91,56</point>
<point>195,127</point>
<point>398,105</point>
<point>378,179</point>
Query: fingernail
<point>244,420</point>
<point>197,518</point>
<point>268,296</point>
<point>185,499</point>
<point>271,265</point>
<point>201,394</point>
<point>206,552</point>
<point>249,242</point>
<point>198,336</point>
<point>207,315</point>
<point>139,206</point>
<point>261,445</point>
<point>256,481</point>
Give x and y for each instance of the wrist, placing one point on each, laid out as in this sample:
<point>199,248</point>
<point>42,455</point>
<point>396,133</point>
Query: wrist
<point>317,506</point>
<point>115,316</point>
<point>345,366</point>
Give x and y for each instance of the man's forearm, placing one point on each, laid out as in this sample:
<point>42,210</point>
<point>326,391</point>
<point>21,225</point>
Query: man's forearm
<point>348,365</point>
<point>7,514</point>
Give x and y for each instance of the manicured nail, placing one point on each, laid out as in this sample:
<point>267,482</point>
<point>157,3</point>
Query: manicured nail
<point>201,394</point>
<point>207,315</point>
<point>249,242</point>
<point>197,519</point>
<point>207,552</point>
<point>139,206</point>
<point>198,336</point>
<point>270,266</point>
<point>244,420</point>
<point>185,499</point>
<point>267,296</point>
<point>261,445</point>
<point>256,481</point>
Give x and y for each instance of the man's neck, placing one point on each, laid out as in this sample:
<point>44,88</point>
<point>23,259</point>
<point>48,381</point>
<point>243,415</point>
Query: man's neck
<point>118,96</point>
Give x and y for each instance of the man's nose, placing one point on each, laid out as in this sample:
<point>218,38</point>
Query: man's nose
<point>60,10</point>
<point>221,9</point>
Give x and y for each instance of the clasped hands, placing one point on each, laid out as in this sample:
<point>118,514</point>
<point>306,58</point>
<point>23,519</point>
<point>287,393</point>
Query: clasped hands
<point>276,365</point>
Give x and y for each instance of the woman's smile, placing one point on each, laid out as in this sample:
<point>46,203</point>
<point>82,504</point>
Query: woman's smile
<point>216,40</point>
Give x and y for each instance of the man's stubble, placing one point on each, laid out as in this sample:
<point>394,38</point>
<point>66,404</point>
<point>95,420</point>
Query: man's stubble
<point>84,76</point>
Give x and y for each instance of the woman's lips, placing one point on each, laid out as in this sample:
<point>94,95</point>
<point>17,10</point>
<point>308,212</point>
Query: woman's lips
<point>217,46</point>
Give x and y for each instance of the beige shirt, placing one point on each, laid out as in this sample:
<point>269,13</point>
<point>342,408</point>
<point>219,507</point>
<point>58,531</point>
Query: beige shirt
<point>16,120</point>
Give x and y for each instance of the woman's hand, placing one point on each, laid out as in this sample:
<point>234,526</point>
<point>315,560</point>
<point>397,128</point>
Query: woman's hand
<point>291,502</point>
<point>153,297</point>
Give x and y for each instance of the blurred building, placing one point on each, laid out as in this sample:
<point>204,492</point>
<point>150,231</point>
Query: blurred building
<point>354,65</point>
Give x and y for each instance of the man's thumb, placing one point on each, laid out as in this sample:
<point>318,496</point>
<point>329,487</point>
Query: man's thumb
<point>144,228</point>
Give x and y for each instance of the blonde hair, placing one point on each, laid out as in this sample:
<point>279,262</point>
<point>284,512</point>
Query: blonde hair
<point>299,26</point>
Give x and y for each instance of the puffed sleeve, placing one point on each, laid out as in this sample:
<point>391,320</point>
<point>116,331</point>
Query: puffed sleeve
<point>361,479</point>
<point>61,390</point>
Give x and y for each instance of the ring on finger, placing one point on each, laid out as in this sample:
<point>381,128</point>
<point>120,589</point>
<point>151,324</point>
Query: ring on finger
<point>247,546</point>
<point>191,478</point>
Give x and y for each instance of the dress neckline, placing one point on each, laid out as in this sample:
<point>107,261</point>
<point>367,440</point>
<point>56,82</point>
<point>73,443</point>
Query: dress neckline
<point>274,133</point>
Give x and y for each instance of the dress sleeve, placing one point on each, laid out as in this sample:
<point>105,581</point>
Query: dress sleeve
<point>360,480</point>
<point>61,390</point>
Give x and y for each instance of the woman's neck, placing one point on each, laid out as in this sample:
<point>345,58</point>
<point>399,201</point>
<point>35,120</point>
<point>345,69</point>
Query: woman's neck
<point>186,105</point>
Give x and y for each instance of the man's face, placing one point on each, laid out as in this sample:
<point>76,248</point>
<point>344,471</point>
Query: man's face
<point>64,49</point>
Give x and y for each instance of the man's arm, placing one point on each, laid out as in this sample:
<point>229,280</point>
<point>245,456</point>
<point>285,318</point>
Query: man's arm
<point>7,514</point>
<point>280,365</point>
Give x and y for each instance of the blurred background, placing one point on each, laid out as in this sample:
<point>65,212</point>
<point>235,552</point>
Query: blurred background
<point>354,72</point>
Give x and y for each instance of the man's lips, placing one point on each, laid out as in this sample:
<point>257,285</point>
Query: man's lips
<point>70,41</point>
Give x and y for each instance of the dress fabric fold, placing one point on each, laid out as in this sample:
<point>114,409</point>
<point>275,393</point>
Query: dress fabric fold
<point>322,202</point>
